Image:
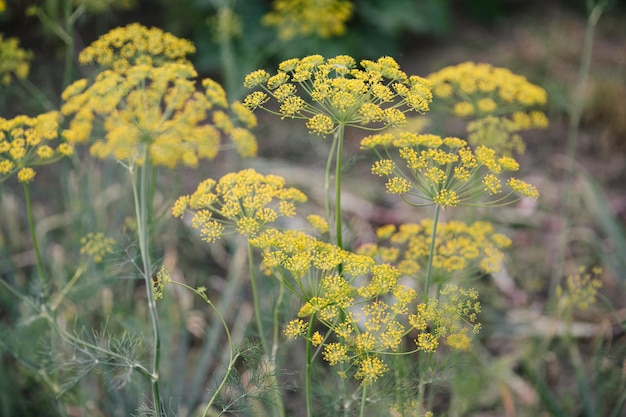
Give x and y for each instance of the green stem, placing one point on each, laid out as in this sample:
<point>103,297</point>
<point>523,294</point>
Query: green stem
<point>340,135</point>
<point>33,235</point>
<point>264,343</point>
<point>363,401</point>
<point>142,212</point>
<point>307,369</point>
<point>572,138</point>
<point>431,253</point>
<point>255,300</point>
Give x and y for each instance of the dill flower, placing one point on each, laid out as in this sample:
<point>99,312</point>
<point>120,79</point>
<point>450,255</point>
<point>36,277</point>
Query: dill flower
<point>459,246</point>
<point>580,290</point>
<point>327,93</point>
<point>124,47</point>
<point>323,18</point>
<point>479,89</point>
<point>27,142</point>
<point>158,109</point>
<point>446,319</point>
<point>96,246</point>
<point>245,200</point>
<point>444,171</point>
<point>14,61</point>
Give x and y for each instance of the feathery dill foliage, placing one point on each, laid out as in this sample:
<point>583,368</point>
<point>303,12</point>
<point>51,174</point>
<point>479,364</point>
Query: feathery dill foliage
<point>245,200</point>
<point>14,61</point>
<point>328,93</point>
<point>444,171</point>
<point>323,18</point>
<point>28,142</point>
<point>459,247</point>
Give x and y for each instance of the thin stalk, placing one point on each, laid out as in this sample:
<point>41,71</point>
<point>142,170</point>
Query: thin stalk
<point>572,137</point>
<point>431,251</point>
<point>264,342</point>
<point>255,300</point>
<point>340,135</point>
<point>307,369</point>
<point>33,235</point>
<point>363,401</point>
<point>142,212</point>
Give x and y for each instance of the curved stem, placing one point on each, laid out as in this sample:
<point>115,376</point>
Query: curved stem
<point>431,253</point>
<point>33,235</point>
<point>142,213</point>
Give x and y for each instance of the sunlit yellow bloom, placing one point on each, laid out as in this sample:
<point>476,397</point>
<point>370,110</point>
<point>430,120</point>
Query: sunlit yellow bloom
<point>444,171</point>
<point>136,44</point>
<point>158,110</point>
<point>332,92</point>
<point>245,200</point>
<point>27,142</point>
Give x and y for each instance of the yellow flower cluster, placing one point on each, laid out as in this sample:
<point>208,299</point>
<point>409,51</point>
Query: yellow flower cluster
<point>471,89</point>
<point>580,290</point>
<point>332,92</point>
<point>446,318</point>
<point>26,142</point>
<point>246,199</point>
<point>14,61</point>
<point>458,247</point>
<point>324,18</point>
<point>96,246</point>
<point>502,133</point>
<point>444,171</point>
<point>158,109</point>
<point>123,47</point>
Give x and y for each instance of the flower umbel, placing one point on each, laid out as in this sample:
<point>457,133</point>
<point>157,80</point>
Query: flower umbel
<point>245,200</point>
<point>331,92</point>
<point>27,142</point>
<point>123,47</point>
<point>444,171</point>
<point>14,61</point>
<point>157,108</point>
<point>458,247</point>
<point>471,89</point>
<point>323,18</point>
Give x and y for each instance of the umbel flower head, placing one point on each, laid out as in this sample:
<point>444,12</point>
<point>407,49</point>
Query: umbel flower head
<point>444,171</point>
<point>246,200</point>
<point>331,92</point>
<point>158,109</point>
<point>503,133</point>
<point>27,142</point>
<point>475,90</point>
<point>14,61</point>
<point>323,18</point>
<point>458,247</point>
<point>123,47</point>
